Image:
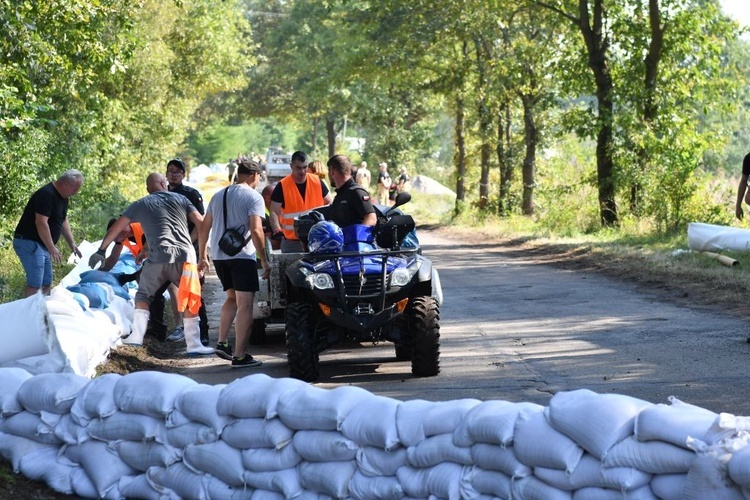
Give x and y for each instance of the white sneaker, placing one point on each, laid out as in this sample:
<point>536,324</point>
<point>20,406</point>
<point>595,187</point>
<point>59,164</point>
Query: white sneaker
<point>177,335</point>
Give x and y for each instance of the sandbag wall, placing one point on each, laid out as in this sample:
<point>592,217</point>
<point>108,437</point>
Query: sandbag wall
<point>159,435</point>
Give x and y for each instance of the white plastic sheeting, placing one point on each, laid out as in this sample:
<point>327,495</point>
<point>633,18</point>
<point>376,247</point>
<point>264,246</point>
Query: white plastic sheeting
<point>710,238</point>
<point>199,441</point>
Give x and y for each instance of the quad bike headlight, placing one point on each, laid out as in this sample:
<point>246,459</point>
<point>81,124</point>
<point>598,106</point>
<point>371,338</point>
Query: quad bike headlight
<point>401,277</point>
<point>321,281</point>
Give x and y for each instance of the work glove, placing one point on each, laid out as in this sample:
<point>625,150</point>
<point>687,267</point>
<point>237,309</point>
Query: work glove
<point>278,235</point>
<point>97,259</point>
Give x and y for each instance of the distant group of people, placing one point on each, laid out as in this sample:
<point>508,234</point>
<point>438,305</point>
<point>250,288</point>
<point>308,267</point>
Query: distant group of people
<point>170,234</point>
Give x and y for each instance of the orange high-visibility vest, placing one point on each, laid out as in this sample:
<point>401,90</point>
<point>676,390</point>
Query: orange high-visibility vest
<point>294,205</point>
<point>136,246</point>
<point>189,291</point>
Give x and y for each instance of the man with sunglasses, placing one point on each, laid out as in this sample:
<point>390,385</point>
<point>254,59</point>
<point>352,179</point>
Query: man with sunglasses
<point>175,176</point>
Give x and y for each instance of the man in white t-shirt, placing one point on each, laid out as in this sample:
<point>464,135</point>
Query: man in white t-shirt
<point>238,273</point>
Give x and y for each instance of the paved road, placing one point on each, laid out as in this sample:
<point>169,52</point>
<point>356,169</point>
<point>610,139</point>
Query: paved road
<point>514,329</point>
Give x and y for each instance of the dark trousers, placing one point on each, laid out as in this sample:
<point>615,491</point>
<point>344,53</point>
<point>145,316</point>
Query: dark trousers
<point>158,326</point>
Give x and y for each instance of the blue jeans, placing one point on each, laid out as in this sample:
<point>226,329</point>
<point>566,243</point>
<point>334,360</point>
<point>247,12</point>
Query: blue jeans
<point>36,262</point>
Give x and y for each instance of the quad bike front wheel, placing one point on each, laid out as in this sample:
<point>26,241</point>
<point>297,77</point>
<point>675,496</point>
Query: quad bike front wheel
<point>302,354</point>
<point>424,327</point>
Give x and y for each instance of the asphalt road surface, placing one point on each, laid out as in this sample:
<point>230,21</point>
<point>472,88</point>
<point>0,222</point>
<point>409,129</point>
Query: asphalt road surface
<point>517,330</point>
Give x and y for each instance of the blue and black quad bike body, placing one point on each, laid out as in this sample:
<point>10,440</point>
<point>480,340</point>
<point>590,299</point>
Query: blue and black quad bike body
<point>377,286</point>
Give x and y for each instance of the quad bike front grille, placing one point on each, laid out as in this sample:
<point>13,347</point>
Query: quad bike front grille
<point>369,285</point>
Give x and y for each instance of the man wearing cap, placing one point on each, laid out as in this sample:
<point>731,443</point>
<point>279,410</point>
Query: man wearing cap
<point>175,176</point>
<point>171,258</point>
<point>44,220</point>
<point>237,273</point>
<point>296,193</point>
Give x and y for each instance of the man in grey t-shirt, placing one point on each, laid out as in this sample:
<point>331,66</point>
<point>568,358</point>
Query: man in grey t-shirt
<point>164,216</point>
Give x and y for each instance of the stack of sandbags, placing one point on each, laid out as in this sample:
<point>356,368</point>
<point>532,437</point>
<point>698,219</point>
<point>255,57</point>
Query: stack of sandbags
<point>159,435</point>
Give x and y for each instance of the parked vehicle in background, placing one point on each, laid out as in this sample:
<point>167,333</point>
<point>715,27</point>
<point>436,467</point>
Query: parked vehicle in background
<point>278,165</point>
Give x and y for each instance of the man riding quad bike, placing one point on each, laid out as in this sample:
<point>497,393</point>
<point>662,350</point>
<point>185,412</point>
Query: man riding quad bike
<point>363,284</point>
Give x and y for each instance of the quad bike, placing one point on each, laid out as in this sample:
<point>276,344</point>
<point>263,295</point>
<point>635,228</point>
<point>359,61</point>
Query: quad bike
<point>370,284</point>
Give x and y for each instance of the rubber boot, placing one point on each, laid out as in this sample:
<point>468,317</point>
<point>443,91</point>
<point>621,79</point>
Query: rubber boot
<point>138,329</point>
<point>193,338</point>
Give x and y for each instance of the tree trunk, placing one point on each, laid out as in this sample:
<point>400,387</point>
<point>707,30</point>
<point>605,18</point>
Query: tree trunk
<point>315,136</point>
<point>460,156</point>
<point>650,107</point>
<point>529,161</point>
<point>597,44</point>
<point>504,158</point>
<point>331,135</point>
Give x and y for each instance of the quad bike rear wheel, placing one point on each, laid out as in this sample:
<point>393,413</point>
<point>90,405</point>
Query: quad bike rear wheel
<point>302,354</point>
<point>258,332</point>
<point>425,327</point>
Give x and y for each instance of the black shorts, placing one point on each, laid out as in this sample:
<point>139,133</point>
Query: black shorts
<point>240,275</point>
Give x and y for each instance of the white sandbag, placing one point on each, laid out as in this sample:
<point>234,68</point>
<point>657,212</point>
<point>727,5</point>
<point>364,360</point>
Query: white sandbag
<point>642,493</point>
<point>532,488</point>
<point>375,462</point>
<point>11,380</point>
<point>609,418</point>
<point>32,426</point>
<point>436,449</point>
<point>255,396</point>
<point>126,426</point>
<point>176,418</point>
<point>324,446</point>
<point>269,495</point>
<point>187,434</point>
<point>655,457</point>
<point>68,431</point>
<point>490,482</point>
<point>142,455</point>
<point>673,423</point>
<point>42,465</point>
<point>538,444</point>
<point>51,392</point>
<point>122,311</point>
<point>313,408</point>
<point>150,392</point>
<point>727,428</point>
<point>739,467</point>
<point>96,399</point>
<point>711,237</point>
<point>329,478</point>
<point>25,332</point>
<point>270,459</point>
<point>140,487</point>
<point>708,476</point>
<point>362,428</point>
<point>14,448</point>
<point>668,486</point>
<point>218,459</point>
<point>284,481</point>
<point>499,458</point>
<point>418,419</point>
<point>490,422</point>
<point>590,473</point>
<point>247,433</point>
<point>102,464</point>
<point>442,481</point>
<point>180,479</point>
<point>219,490</point>
<point>83,487</point>
<point>199,404</point>
<point>363,487</point>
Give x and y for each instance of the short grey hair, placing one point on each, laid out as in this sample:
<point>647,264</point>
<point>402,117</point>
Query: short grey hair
<point>71,176</point>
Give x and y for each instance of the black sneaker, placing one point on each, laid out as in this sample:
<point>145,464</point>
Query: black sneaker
<point>204,339</point>
<point>224,350</point>
<point>245,362</point>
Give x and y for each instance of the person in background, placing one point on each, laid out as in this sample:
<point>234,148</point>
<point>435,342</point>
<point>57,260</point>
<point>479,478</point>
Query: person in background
<point>363,177</point>
<point>402,182</point>
<point>231,170</point>
<point>44,220</point>
<point>352,204</point>
<point>384,183</point>
<point>267,231</point>
<point>164,216</point>
<point>238,274</point>
<point>294,194</point>
<point>175,176</point>
<point>316,167</point>
<point>742,191</point>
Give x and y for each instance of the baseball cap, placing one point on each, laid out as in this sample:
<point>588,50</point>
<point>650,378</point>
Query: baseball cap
<point>248,167</point>
<point>177,162</point>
